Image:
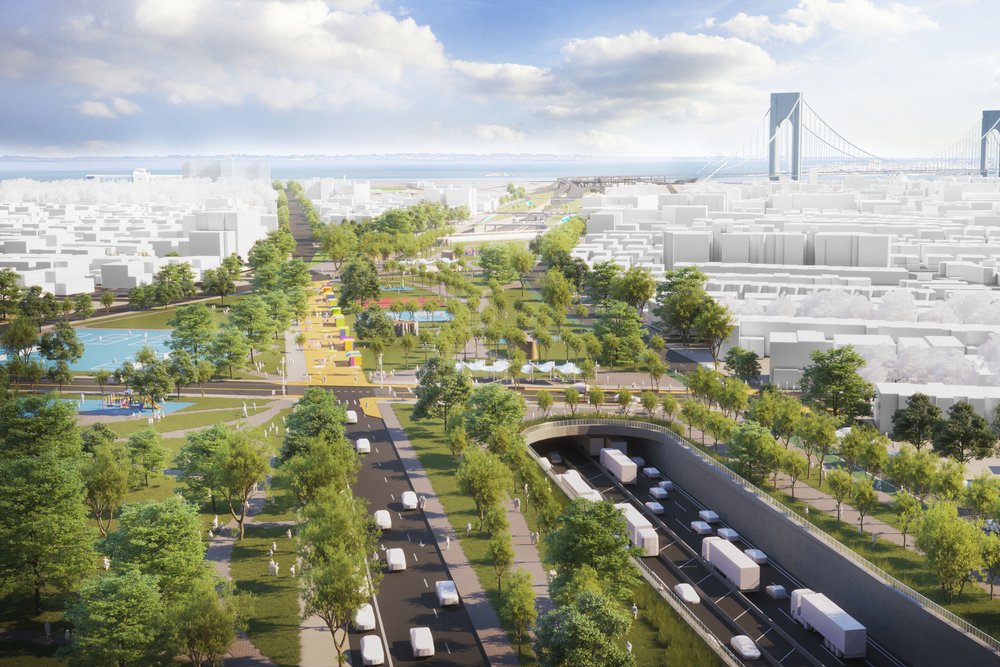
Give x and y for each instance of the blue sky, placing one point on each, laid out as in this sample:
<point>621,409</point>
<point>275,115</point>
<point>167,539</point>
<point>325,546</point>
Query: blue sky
<point>660,77</point>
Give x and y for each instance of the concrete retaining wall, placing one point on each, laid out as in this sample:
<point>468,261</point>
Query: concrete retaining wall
<point>894,620</point>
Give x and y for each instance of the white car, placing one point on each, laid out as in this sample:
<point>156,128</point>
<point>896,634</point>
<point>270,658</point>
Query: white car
<point>666,485</point>
<point>395,560</point>
<point>447,592</point>
<point>658,493</point>
<point>654,507</point>
<point>422,642</point>
<point>364,618</point>
<point>352,417</point>
<point>745,647</point>
<point>728,534</point>
<point>639,461</point>
<point>383,519</point>
<point>372,652</point>
<point>701,528</point>
<point>687,593</point>
<point>409,500</point>
<point>708,516</point>
<point>651,472</point>
<point>756,555</point>
<point>363,445</point>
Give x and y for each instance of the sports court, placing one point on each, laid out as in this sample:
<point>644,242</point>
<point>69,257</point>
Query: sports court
<point>110,348</point>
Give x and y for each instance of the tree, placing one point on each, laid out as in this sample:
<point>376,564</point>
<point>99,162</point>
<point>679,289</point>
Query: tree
<point>373,324</point>
<point>96,436</point>
<point>694,413</point>
<point>964,435</point>
<point>501,552</point>
<point>359,283</point>
<point>983,494</point>
<point>160,539</point>
<point>865,448</point>
<point>841,484</point>
<point>61,344</point>
<point>146,452</point>
<point>557,291</point>
<point>172,283</point>
<point>60,373</point>
<point>204,370</point>
<point>601,281</point>
<point>497,262</point>
<point>485,478</point>
<point>119,620</point>
<point>571,397</point>
<point>649,401</point>
<point>743,364</point>
<point>989,547</point>
<point>908,512</point>
<point>253,318</point>
<point>83,306</point>
<point>948,482</point>
<point>713,324</point>
<point>545,402</point>
<point>864,499</point>
<point>518,605</point>
<point>754,452</point>
<point>192,328</point>
<point>635,287</point>
<point>230,349</point>
<point>316,415</point>
<point>679,300</point>
<point>655,367</point>
<point>795,465</point>
<point>334,588</point>
<point>522,261</point>
<point>592,534</point>
<point>620,332</point>
<point>240,464</point>
<point>786,419</point>
<point>585,632</point>
<point>624,400</point>
<point>321,465</point>
<point>669,406</point>
<point>219,282</point>
<point>951,545</point>
<point>19,339</point>
<point>595,396</point>
<point>101,377</point>
<point>719,426</point>
<point>106,480</point>
<point>818,434</point>
<point>733,396</point>
<point>440,387</point>
<point>10,292</point>
<point>182,370</point>
<point>107,300</point>
<point>338,242</point>
<point>206,619</point>
<point>915,423</point>
<point>832,384</point>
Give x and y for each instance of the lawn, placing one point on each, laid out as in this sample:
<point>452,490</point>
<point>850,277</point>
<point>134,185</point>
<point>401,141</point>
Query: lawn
<point>26,654</point>
<point>180,421</point>
<point>274,624</point>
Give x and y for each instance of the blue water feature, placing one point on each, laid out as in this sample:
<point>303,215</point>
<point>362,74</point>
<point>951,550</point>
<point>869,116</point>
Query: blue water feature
<point>110,348</point>
<point>422,316</point>
<point>397,288</point>
<point>95,406</point>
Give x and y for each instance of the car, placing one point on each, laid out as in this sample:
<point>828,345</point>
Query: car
<point>687,593</point>
<point>708,516</point>
<point>666,485</point>
<point>363,445</point>
<point>372,652</point>
<point>409,500</point>
<point>364,618</point>
<point>352,417</point>
<point>639,461</point>
<point>555,458</point>
<point>701,528</point>
<point>422,642</point>
<point>728,534</point>
<point>651,472</point>
<point>745,647</point>
<point>447,592</point>
<point>658,493</point>
<point>756,555</point>
<point>395,560</point>
<point>654,507</point>
<point>383,519</point>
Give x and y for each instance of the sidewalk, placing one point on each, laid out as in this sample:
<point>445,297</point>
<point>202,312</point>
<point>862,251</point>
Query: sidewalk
<point>496,643</point>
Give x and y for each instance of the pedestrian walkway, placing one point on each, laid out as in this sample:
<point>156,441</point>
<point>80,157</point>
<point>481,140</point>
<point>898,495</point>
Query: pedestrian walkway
<point>496,643</point>
<point>258,418</point>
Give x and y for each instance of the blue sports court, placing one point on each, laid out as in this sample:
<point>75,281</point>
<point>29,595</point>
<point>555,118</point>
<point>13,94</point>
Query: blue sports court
<point>110,348</point>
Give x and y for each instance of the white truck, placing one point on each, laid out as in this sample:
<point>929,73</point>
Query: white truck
<point>842,635</point>
<point>640,530</point>
<point>734,565</point>
<point>619,465</point>
<point>577,486</point>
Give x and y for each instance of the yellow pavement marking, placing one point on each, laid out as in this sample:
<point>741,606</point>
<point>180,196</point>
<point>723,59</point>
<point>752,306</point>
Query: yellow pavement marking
<point>369,405</point>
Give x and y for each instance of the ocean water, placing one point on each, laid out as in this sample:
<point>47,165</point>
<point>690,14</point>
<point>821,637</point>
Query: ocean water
<point>403,168</point>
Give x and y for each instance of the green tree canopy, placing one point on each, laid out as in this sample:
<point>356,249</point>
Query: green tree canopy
<point>964,435</point>
<point>586,632</point>
<point>951,545</point>
<point>359,283</point>
<point>831,383</point>
<point>440,387</point>
<point>915,423</point>
<point>490,409</point>
<point>317,414</point>
<point>192,329</point>
<point>754,452</point>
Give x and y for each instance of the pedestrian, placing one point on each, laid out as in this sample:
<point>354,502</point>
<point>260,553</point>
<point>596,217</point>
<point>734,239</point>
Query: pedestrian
<point>289,533</point>
<point>628,646</point>
<point>107,563</point>
<point>635,611</point>
<point>215,522</point>
<point>292,570</point>
<point>211,535</point>
<point>447,542</point>
<point>274,546</point>
<point>422,501</point>
<point>468,528</point>
<point>531,537</point>
<point>517,504</point>
<point>48,630</point>
<point>66,635</point>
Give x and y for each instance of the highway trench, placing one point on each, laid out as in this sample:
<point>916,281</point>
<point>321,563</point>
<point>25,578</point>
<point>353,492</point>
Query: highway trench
<point>723,609</point>
<point>406,599</point>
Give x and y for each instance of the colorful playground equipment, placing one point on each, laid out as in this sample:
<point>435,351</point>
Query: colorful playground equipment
<point>128,400</point>
<point>354,359</point>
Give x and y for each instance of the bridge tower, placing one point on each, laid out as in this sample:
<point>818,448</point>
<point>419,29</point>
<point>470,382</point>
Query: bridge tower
<point>991,119</point>
<point>785,107</point>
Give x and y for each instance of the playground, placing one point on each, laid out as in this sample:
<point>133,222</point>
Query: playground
<point>422,316</point>
<point>110,348</point>
<point>122,405</point>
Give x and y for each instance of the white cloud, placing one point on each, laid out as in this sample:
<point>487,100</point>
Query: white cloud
<point>174,18</point>
<point>125,107</point>
<point>95,109</point>
<point>859,17</point>
<point>499,133</point>
<point>504,78</point>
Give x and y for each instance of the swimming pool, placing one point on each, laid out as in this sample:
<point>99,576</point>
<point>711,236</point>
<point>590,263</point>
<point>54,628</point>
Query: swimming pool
<point>110,348</point>
<point>422,316</point>
<point>95,406</point>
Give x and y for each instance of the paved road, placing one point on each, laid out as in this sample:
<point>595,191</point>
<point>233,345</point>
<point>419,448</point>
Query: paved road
<point>407,599</point>
<point>724,610</point>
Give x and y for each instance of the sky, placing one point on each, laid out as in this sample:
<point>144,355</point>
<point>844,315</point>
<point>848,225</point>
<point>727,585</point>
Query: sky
<point>622,78</point>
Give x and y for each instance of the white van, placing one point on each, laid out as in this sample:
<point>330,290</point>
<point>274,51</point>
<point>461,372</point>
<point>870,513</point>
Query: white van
<point>383,519</point>
<point>364,619</point>
<point>352,417</point>
<point>372,652</point>
<point>395,560</point>
<point>409,500</point>
<point>447,592</point>
<point>422,642</point>
<point>363,445</point>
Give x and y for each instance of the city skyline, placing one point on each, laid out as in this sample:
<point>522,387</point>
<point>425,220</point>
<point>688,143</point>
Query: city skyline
<point>312,77</point>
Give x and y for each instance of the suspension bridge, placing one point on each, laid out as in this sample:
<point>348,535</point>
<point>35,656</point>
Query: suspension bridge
<point>791,140</point>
